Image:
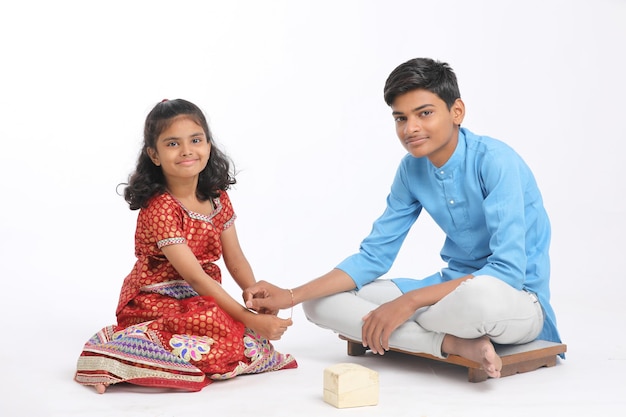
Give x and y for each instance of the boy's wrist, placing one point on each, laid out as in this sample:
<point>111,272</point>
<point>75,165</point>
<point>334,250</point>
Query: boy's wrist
<point>291,298</point>
<point>414,299</point>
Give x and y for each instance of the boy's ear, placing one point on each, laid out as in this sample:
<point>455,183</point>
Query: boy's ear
<point>458,111</point>
<point>154,156</point>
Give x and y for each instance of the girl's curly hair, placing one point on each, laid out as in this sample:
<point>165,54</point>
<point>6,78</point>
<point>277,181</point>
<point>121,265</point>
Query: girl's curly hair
<point>148,180</point>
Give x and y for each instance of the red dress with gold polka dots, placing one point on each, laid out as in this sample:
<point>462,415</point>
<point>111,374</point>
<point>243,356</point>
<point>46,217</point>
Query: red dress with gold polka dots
<point>167,335</point>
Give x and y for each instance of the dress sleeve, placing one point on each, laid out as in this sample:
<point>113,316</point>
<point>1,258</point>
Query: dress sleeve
<point>380,248</point>
<point>162,222</point>
<point>227,214</point>
<point>505,178</point>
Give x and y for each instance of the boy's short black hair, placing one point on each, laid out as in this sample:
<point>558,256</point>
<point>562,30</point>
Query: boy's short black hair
<point>422,73</point>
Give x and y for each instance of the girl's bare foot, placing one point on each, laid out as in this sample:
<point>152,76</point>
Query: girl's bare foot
<point>479,350</point>
<point>100,388</point>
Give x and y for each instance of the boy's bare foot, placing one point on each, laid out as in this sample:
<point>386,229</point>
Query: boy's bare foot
<point>100,388</point>
<point>479,350</point>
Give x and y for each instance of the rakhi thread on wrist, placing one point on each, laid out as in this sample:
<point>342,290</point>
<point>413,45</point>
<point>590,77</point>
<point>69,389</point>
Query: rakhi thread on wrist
<point>291,313</point>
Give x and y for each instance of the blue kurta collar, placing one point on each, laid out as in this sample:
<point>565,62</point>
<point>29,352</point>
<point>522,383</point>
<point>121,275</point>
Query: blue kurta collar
<point>457,158</point>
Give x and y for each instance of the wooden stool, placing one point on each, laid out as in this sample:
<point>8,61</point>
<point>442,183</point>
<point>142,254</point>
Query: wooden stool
<point>516,359</point>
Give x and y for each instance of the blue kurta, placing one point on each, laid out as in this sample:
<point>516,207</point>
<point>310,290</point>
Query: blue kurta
<point>486,200</point>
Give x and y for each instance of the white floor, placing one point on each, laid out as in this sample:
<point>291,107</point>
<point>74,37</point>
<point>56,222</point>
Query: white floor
<point>53,302</point>
<point>590,382</point>
<point>45,326</point>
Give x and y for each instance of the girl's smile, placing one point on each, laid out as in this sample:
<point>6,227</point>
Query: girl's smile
<point>188,162</point>
<point>182,150</point>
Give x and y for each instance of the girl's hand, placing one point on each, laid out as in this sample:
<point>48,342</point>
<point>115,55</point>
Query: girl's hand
<point>268,326</point>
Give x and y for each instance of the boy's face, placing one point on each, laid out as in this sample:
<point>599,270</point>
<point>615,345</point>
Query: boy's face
<point>425,126</point>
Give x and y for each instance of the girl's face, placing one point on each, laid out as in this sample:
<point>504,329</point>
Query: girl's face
<point>182,150</point>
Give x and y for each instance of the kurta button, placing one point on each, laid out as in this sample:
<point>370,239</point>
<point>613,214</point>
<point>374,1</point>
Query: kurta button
<point>451,201</point>
<point>442,172</point>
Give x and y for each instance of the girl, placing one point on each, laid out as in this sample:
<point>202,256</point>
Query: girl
<point>176,326</point>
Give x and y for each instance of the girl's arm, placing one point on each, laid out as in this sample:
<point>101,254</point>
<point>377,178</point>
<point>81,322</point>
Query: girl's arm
<point>185,262</point>
<point>238,265</point>
<point>235,260</point>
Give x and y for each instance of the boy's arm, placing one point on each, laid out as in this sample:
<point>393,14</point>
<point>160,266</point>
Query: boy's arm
<point>264,295</point>
<point>378,251</point>
<point>333,282</point>
<point>376,255</point>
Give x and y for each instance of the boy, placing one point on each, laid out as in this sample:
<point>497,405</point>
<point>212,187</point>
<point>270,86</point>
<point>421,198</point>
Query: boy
<point>495,287</point>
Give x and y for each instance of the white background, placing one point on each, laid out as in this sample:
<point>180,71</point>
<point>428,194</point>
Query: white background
<point>293,93</point>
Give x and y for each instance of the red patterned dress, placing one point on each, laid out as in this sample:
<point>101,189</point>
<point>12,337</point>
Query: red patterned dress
<point>167,335</point>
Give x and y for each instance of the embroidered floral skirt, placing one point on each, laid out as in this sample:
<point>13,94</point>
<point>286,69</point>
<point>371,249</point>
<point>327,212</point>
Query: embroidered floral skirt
<point>192,344</point>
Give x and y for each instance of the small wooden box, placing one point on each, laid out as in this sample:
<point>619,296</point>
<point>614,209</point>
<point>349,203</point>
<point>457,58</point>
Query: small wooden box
<point>350,385</point>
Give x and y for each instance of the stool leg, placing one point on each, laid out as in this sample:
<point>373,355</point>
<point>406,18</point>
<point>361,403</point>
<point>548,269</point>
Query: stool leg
<point>356,349</point>
<point>476,375</point>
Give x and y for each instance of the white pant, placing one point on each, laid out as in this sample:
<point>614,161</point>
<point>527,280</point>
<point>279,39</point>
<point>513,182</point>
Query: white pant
<point>480,306</point>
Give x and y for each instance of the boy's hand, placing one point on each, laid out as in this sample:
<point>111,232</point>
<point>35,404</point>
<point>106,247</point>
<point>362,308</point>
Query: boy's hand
<point>378,324</point>
<point>264,297</point>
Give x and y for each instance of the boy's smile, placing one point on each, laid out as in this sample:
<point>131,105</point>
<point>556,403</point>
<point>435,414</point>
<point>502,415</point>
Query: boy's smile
<point>425,125</point>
